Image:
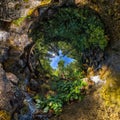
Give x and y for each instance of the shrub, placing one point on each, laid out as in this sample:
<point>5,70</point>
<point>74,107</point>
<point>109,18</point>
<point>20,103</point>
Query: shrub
<point>80,26</point>
<point>66,91</point>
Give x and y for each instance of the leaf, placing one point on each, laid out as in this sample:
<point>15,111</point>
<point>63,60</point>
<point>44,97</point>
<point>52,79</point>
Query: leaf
<point>46,109</point>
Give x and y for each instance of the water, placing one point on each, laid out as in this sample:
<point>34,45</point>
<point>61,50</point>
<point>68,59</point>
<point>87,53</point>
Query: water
<point>57,58</point>
<point>31,105</point>
<point>31,108</point>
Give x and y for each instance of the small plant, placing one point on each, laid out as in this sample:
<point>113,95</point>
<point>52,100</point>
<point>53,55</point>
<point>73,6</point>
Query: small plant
<point>50,103</point>
<point>66,91</point>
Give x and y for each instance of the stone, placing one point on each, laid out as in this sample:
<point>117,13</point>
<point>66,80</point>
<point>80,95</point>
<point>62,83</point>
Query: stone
<point>14,9</point>
<point>12,78</point>
<point>4,91</point>
<point>7,89</point>
<point>4,35</point>
<point>81,2</point>
<point>3,53</point>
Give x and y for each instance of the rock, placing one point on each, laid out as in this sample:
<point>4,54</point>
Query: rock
<point>25,117</point>
<point>8,10</point>
<point>7,90</point>
<point>14,9</point>
<point>12,50</point>
<point>12,78</point>
<point>81,2</point>
<point>3,53</point>
<point>19,41</point>
<point>14,18</point>
<point>34,85</point>
<point>4,35</point>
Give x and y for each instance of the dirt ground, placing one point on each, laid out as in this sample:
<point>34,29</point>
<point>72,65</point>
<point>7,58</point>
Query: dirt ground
<point>91,108</point>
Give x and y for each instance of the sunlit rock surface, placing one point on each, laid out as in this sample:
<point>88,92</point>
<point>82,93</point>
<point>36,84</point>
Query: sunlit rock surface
<point>4,36</point>
<point>19,41</point>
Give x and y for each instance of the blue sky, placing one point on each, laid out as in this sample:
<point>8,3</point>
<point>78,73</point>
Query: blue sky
<point>55,60</point>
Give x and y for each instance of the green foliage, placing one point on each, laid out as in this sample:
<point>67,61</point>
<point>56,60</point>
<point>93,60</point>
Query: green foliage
<point>74,29</point>
<point>70,90</point>
<point>66,84</point>
<point>50,103</point>
<point>71,30</point>
<point>80,26</point>
<point>66,91</point>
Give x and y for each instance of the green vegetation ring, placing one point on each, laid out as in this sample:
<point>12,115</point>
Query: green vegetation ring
<point>69,30</point>
<point>81,27</point>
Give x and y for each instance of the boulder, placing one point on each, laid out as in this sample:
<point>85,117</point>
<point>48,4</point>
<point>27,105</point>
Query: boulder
<point>8,89</point>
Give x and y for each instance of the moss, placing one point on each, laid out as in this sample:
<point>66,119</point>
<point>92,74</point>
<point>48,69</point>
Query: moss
<point>4,115</point>
<point>45,2</point>
<point>18,21</point>
<point>110,92</point>
<point>26,0</point>
<point>111,97</point>
<point>30,11</point>
<point>42,3</point>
